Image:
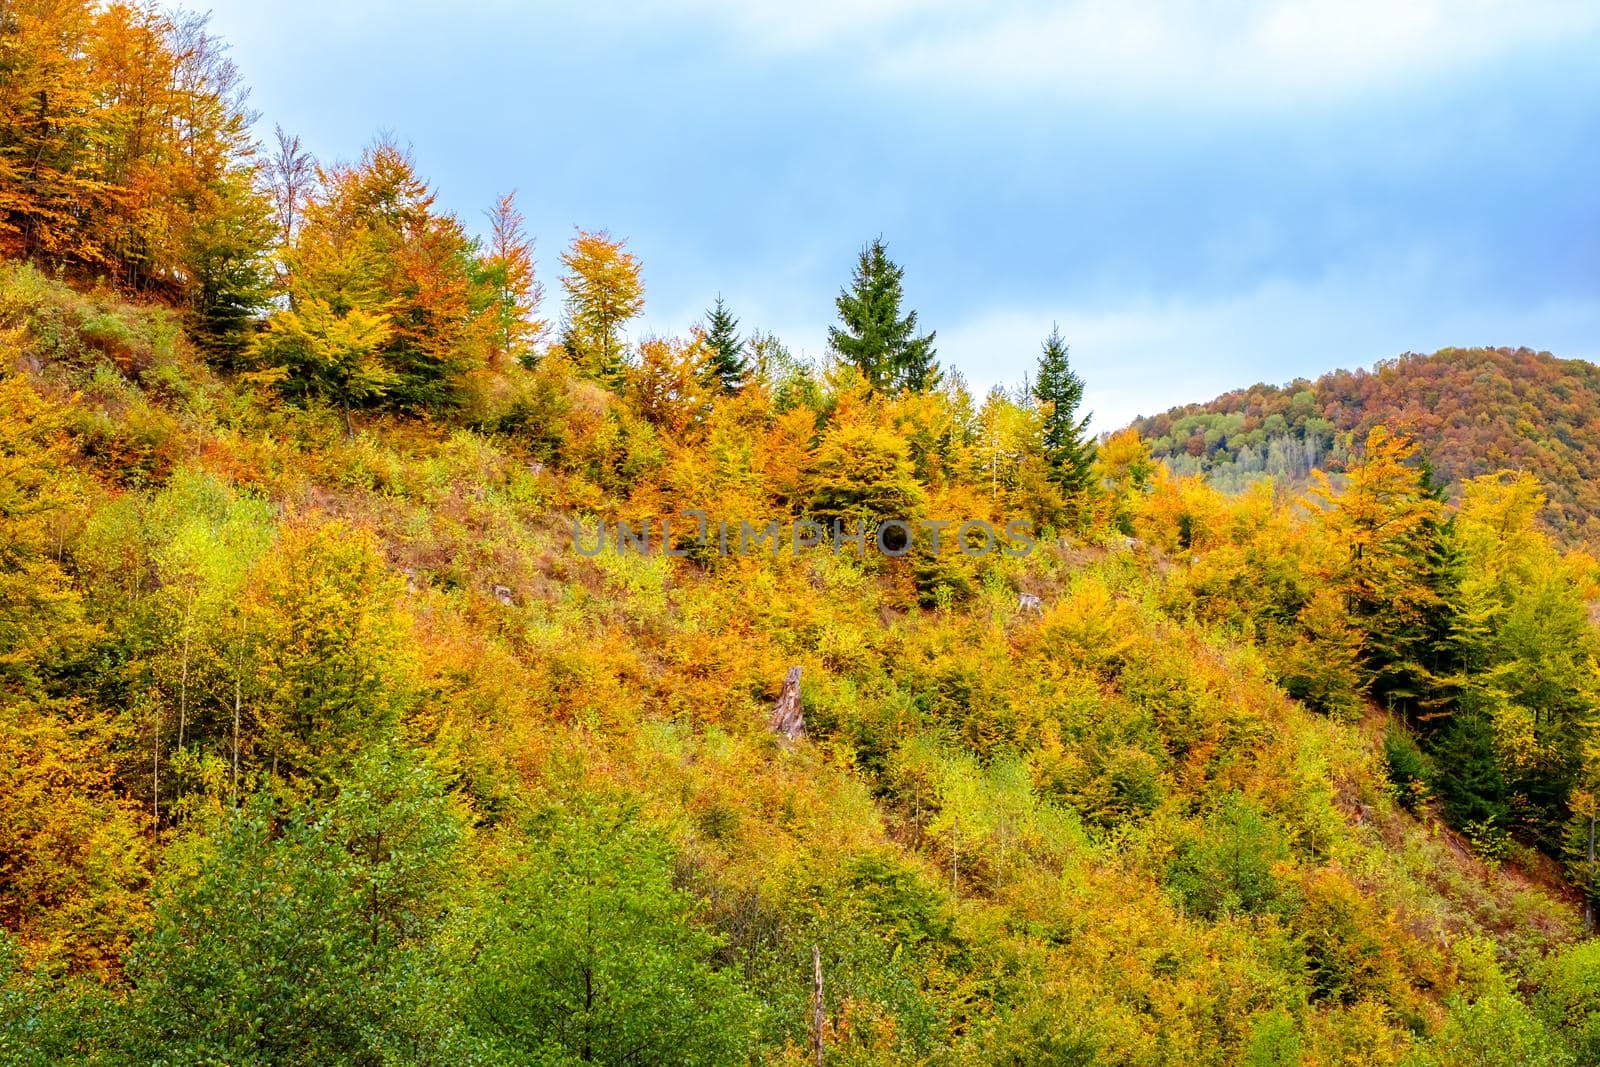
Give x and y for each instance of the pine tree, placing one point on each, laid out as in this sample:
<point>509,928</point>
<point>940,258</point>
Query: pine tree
<point>726,364</point>
<point>1067,445</point>
<point>874,336</point>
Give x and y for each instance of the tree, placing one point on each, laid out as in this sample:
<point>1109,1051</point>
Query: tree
<point>860,476</point>
<point>291,173</point>
<point>604,290</point>
<point>592,954</point>
<point>316,351</point>
<point>1527,649</point>
<point>1383,532</point>
<point>515,291</point>
<point>669,384</point>
<point>41,613</point>
<point>726,366</point>
<point>397,286</point>
<point>295,932</point>
<point>226,249</point>
<point>874,336</point>
<point>332,663</point>
<point>1124,470</point>
<point>125,147</point>
<point>1068,448</point>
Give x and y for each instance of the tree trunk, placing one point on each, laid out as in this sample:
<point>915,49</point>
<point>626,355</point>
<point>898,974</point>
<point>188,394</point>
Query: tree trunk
<point>816,1002</point>
<point>236,708</point>
<point>1588,886</point>
<point>787,720</point>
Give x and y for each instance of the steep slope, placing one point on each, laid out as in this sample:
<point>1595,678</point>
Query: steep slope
<point>1092,832</point>
<point>1475,410</point>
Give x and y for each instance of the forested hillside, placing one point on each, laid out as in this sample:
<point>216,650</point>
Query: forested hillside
<point>1474,411</point>
<point>396,669</point>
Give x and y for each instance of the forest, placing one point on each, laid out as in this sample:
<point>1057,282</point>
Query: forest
<point>322,741</point>
<point>1477,410</point>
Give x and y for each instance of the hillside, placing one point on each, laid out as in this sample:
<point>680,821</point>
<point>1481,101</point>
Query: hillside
<point>246,648</point>
<point>395,671</point>
<point>1475,410</point>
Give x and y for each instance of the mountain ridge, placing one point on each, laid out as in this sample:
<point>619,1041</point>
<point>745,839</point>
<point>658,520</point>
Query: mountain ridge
<point>1473,410</point>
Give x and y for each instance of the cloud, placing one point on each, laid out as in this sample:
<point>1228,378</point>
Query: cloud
<point>1147,354</point>
<point>1263,53</point>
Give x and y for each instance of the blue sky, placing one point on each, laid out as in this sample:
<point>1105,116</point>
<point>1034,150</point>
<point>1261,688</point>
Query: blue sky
<point>1203,195</point>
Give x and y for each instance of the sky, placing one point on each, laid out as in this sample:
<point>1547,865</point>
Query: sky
<point>1203,195</point>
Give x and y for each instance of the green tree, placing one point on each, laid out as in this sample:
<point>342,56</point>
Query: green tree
<point>1068,448</point>
<point>331,659</point>
<point>227,254</point>
<point>590,953</point>
<point>874,336</point>
<point>727,365</point>
<point>295,933</point>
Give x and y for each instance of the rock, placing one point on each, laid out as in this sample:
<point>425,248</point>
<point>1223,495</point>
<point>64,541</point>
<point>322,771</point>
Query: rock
<point>787,720</point>
<point>536,468</point>
<point>1029,602</point>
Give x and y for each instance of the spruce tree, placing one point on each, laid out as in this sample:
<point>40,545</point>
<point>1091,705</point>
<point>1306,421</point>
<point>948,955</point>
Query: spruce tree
<point>727,365</point>
<point>874,336</point>
<point>1068,448</point>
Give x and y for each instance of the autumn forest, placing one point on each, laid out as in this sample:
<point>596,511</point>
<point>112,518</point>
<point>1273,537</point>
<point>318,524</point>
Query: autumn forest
<point>324,739</point>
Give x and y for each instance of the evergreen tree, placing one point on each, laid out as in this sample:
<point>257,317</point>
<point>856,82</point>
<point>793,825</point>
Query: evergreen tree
<point>1067,445</point>
<point>726,364</point>
<point>874,336</point>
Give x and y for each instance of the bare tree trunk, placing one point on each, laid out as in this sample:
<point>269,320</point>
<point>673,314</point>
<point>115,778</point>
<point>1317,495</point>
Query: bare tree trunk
<point>1588,888</point>
<point>816,1004</point>
<point>236,708</point>
<point>155,771</point>
<point>955,857</point>
<point>183,678</point>
<point>787,720</point>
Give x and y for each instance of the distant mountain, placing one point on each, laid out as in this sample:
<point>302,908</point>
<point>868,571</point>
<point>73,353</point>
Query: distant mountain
<point>1475,410</point>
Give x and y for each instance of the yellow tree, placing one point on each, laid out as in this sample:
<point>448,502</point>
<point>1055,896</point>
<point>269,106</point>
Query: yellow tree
<point>72,859</point>
<point>604,290</point>
<point>398,286</point>
<point>668,385</point>
<point>1125,470</point>
<point>1528,649</point>
<point>513,323</point>
<point>1383,559</point>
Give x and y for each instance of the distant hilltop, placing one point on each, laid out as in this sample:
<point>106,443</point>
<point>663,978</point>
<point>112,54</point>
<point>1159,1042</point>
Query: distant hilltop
<point>1474,410</point>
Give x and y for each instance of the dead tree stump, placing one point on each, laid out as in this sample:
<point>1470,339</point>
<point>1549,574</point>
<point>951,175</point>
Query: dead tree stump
<point>787,721</point>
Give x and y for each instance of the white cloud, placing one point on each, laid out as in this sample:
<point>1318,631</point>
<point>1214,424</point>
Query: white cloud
<point>1147,355</point>
<point>1262,52</point>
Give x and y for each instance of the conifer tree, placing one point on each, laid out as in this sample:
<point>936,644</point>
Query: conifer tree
<point>726,363</point>
<point>1068,448</point>
<point>874,336</point>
